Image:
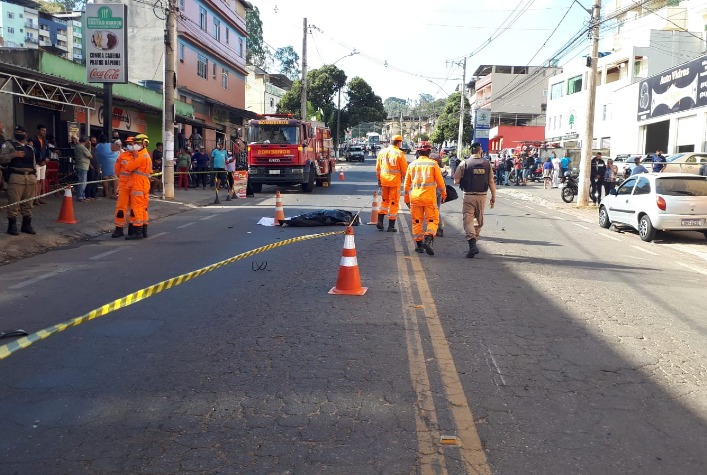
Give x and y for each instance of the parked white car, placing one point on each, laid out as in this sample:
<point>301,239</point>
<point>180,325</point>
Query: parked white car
<point>651,202</point>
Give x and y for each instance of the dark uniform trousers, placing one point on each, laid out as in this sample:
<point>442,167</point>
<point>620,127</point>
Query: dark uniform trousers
<point>20,187</point>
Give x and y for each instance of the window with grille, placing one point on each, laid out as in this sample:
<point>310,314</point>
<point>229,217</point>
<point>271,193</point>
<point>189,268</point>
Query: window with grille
<point>201,66</point>
<point>181,53</point>
<point>217,29</point>
<point>574,85</point>
<point>202,18</point>
<point>224,79</point>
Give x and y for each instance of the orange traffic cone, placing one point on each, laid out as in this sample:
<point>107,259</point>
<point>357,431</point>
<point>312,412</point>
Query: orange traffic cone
<point>341,174</point>
<point>279,211</point>
<point>374,210</point>
<point>349,280</point>
<point>66,214</point>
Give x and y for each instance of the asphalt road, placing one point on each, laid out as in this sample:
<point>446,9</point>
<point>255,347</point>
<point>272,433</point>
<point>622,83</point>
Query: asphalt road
<point>562,348</point>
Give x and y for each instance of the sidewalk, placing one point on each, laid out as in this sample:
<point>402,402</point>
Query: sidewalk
<point>550,198</point>
<point>94,218</point>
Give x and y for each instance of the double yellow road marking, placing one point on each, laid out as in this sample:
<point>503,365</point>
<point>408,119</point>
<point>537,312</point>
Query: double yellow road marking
<point>429,434</point>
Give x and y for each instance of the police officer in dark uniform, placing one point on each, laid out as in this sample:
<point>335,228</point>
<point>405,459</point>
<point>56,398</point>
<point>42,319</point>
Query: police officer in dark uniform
<point>19,159</point>
<point>475,177</point>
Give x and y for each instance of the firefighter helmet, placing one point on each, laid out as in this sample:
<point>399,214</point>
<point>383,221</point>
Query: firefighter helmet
<point>424,146</point>
<point>142,138</point>
<point>397,138</point>
<point>130,139</point>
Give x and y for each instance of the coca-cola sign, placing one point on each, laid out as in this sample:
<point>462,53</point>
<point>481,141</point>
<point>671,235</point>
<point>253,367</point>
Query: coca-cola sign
<point>106,42</point>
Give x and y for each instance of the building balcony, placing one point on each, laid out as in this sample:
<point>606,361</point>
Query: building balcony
<point>45,43</point>
<point>78,57</point>
<point>31,39</point>
<point>60,37</point>
<point>77,34</point>
<point>31,24</point>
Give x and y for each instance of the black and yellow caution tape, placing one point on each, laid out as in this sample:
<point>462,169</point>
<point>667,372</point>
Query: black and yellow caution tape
<point>142,294</point>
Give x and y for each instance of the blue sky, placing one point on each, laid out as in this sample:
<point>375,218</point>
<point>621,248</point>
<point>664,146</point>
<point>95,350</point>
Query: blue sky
<point>423,42</point>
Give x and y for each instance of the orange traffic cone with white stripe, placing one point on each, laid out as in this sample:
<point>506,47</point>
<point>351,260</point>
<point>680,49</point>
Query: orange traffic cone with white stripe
<point>374,209</point>
<point>279,211</point>
<point>66,214</point>
<point>349,280</point>
<point>341,174</point>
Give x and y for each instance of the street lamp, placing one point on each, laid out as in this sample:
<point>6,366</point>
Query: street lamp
<point>338,105</point>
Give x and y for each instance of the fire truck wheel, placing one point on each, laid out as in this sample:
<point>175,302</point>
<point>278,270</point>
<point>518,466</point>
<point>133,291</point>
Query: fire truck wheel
<point>256,187</point>
<point>309,185</point>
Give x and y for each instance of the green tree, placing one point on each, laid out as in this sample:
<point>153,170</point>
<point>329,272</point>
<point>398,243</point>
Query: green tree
<point>322,85</point>
<point>394,106</point>
<point>289,62</point>
<point>363,105</point>
<point>447,125</point>
<point>256,53</point>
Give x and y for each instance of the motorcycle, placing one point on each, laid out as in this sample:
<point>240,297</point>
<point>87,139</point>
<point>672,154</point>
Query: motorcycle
<point>569,188</point>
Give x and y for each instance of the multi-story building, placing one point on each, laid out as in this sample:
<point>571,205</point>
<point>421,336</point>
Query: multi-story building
<point>211,61</point>
<point>647,42</point>
<point>515,97</point>
<point>53,34</point>
<point>264,91</point>
<point>74,32</point>
<point>12,26</point>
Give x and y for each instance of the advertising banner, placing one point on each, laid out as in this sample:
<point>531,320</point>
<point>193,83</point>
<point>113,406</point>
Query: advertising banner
<point>240,182</point>
<point>123,119</point>
<point>106,34</point>
<point>676,90</point>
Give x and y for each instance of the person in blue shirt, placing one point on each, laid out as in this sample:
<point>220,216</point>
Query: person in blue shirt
<point>107,154</point>
<point>638,168</point>
<point>658,161</point>
<point>218,157</point>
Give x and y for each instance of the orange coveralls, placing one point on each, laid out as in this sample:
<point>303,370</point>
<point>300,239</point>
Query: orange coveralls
<point>124,187</point>
<point>391,166</point>
<point>422,180</point>
<point>140,169</point>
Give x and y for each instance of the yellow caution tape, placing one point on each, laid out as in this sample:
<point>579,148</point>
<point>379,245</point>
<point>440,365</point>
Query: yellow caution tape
<point>24,342</point>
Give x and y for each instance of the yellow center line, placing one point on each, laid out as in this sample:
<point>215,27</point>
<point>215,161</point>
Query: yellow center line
<point>431,459</point>
<point>470,448</point>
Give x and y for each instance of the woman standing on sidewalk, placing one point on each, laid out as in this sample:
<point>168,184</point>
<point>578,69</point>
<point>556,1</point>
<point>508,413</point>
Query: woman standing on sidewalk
<point>82,162</point>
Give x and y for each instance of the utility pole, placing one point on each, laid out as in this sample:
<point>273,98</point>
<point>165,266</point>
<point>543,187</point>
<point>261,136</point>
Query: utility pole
<point>588,139</point>
<point>304,71</point>
<point>461,114</point>
<point>170,86</point>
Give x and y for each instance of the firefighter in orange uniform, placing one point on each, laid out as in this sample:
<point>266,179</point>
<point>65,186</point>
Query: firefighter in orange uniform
<point>422,180</point>
<point>140,169</point>
<point>124,188</point>
<point>391,166</point>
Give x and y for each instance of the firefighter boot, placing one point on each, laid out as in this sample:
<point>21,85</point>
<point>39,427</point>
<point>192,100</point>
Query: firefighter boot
<point>440,232</point>
<point>137,234</point>
<point>391,226</point>
<point>118,232</point>
<point>12,226</point>
<point>144,230</point>
<point>379,224</point>
<point>131,229</point>
<point>419,248</point>
<point>428,244</point>
<point>27,225</point>
<point>473,250</point>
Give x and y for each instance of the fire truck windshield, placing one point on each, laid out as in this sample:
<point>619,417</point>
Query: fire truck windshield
<point>273,134</point>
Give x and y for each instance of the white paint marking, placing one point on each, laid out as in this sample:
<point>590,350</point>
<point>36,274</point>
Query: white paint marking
<point>580,226</point>
<point>609,237</point>
<point>700,271</point>
<point>207,217</point>
<point>186,225</point>
<point>498,370</point>
<point>541,212</point>
<point>37,279</point>
<point>156,235</point>
<point>104,254</point>
<point>646,251</point>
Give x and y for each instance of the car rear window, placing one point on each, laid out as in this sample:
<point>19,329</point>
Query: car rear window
<point>355,149</point>
<point>675,186</point>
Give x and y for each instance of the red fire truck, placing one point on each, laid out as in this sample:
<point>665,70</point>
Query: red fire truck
<point>286,151</point>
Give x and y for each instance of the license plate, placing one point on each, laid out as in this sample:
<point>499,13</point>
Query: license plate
<point>692,222</point>
<point>274,172</point>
